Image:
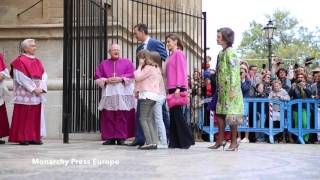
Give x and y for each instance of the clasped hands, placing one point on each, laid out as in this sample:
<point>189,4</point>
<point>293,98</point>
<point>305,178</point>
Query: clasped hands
<point>112,80</point>
<point>37,91</point>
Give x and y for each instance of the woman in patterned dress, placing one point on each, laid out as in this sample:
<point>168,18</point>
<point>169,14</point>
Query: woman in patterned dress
<point>229,107</point>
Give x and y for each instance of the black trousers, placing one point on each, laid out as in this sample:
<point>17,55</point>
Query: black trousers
<point>180,132</point>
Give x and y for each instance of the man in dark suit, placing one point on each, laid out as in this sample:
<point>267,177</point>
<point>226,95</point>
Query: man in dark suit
<point>140,32</point>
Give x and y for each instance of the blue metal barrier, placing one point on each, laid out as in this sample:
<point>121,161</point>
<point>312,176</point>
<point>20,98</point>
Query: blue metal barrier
<point>206,129</point>
<point>310,106</point>
<point>258,123</point>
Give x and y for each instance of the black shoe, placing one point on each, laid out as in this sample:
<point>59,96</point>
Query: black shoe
<point>109,142</point>
<point>135,143</point>
<point>148,147</point>
<point>24,143</point>
<point>36,142</point>
<point>185,147</point>
<point>2,142</point>
<point>120,142</point>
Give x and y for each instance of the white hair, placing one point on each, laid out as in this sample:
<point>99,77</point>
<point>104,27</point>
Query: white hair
<point>112,45</point>
<point>25,43</point>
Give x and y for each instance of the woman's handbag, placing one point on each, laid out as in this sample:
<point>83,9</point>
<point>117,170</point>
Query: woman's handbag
<point>174,100</point>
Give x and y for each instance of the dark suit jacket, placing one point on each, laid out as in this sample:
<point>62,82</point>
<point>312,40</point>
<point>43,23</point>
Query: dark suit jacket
<point>245,87</point>
<point>295,93</point>
<point>154,45</point>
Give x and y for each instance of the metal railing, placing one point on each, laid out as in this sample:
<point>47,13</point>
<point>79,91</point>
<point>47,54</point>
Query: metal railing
<point>306,113</point>
<point>267,114</point>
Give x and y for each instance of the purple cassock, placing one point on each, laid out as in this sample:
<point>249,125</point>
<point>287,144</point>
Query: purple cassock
<point>117,104</point>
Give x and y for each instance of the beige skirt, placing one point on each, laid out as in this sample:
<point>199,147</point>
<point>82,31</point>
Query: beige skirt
<point>234,119</point>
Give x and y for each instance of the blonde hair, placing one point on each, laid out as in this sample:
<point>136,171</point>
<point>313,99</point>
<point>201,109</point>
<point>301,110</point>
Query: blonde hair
<point>276,82</point>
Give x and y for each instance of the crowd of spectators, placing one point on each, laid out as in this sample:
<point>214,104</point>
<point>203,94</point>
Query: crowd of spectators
<point>283,83</point>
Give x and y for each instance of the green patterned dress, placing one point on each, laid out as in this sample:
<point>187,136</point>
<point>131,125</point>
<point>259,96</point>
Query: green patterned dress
<point>228,76</point>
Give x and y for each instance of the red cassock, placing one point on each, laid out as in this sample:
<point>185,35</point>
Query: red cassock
<point>26,116</point>
<point>4,124</point>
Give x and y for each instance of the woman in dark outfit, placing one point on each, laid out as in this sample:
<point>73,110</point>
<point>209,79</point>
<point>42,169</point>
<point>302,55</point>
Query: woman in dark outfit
<point>177,81</point>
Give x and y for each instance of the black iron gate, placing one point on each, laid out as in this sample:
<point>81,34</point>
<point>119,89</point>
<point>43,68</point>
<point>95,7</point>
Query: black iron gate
<point>90,25</point>
<point>84,48</point>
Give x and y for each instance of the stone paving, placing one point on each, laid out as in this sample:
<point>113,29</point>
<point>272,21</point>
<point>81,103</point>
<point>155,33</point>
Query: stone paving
<point>91,160</point>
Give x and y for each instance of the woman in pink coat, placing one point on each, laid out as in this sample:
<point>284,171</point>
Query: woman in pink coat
<point>177,81</point>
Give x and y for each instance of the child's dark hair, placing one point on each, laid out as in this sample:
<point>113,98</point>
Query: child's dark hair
<point>258,85</point>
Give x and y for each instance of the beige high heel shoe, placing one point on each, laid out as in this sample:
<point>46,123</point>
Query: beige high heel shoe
<point>217,146</point>
<point>236,148</point>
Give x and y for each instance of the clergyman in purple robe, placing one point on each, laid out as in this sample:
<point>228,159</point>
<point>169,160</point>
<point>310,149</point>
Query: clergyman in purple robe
<point>117,105</point>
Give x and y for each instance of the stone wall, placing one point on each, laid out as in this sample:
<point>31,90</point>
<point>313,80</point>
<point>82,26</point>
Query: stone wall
<point>44,23</point>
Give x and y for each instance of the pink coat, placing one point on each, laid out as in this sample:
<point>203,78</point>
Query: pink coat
<point>176,70</point>
<point>149,79</point>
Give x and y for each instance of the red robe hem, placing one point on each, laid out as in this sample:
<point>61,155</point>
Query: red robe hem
<point>25,124</point>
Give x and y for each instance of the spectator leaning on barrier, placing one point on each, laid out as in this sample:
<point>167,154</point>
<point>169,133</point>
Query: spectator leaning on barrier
<point>254,77</point>
<point>277,63</point>
<point>195,92</point>
<point>213,80</point>
<point>245,83</point>
<point>297,70</point>
<point>206,92</point>
<point>208,87</point>
<point>282,76</point>
<point>310,79</point>
<point>299,90</point>
<point>280,94</point>
<point>259,93</point>
<point>246,68</point>
<point>245,88</point>
<point>315,89</point>
<point>196,83</point>
<point>266,80</point>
